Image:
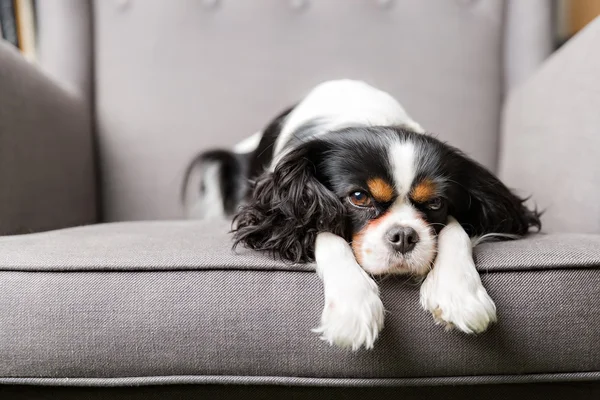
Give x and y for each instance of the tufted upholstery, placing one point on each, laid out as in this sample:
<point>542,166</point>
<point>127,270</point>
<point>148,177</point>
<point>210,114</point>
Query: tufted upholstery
<point>173,78</point>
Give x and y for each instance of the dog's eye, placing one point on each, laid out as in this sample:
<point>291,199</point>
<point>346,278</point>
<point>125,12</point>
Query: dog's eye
<point>360,199</point>
<point>435,204</point>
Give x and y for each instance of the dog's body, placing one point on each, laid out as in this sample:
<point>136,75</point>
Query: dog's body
<point>348,179</point>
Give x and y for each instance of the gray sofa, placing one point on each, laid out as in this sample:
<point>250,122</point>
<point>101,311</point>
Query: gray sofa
<point>126,92</point>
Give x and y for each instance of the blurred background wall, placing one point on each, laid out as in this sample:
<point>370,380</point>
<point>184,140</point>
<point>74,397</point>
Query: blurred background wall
<point>573,15</point>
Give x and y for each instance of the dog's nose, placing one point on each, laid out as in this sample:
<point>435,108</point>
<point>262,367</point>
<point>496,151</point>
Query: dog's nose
<point>402,238</point>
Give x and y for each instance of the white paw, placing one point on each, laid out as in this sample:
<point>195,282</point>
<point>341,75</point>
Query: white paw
<point>353,316</point>
<point>462,303</point>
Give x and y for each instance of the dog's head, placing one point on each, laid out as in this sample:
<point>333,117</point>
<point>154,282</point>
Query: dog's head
<point>386,190</point>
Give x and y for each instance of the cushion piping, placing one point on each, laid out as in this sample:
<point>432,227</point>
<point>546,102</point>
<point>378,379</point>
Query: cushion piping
<point>300,381</point>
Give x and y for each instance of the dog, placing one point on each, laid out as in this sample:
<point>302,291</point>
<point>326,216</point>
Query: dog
<point>346,178</point>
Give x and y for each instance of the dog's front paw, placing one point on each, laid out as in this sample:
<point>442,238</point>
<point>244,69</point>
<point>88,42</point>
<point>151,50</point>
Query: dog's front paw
<point>353,317</point>
<point>461,304</point>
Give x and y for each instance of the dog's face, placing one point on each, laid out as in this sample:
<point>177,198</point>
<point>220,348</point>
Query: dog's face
<point>386,190</point>
<point>394,204</point>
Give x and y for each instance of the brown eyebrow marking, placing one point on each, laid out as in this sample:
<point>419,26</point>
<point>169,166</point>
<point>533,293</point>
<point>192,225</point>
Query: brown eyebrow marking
<point>423,191</point>
<point>380,189</point>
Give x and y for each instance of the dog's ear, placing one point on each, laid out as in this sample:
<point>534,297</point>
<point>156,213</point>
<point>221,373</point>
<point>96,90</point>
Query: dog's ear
<point>486,205</point>
<point>288,207</point>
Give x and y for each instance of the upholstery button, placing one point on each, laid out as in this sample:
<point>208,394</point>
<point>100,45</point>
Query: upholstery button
<point>385,3</point>
<point>299,4</point>
<point>123,4</point>
<point>210,4</point>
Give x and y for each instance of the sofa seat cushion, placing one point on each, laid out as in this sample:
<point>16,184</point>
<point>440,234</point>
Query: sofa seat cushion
<point>152,302</point>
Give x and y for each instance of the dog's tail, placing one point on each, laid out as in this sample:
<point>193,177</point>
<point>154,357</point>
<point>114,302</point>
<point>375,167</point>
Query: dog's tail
<point>214,184</point>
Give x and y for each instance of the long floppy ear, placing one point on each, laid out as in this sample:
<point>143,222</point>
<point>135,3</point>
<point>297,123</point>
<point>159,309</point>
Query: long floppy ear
<point>289,207</point>
<point>487,206</point>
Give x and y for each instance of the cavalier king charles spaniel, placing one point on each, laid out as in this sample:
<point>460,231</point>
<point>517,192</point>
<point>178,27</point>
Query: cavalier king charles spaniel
<point>347,179</point>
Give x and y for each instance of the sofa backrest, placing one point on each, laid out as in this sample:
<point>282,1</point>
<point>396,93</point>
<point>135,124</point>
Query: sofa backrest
<point>552,135</point>
<point>172,78</point>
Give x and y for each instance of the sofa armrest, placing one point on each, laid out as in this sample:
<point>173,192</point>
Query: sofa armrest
<point>551,136</point>
<point>46,151</point>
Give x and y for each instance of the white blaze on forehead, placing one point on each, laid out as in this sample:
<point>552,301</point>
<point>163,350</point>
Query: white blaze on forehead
<point>402,159</point>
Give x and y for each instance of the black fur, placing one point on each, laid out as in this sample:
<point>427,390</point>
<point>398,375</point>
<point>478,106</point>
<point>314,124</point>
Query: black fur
<point>288,208</point>
<point>262,156</point>
<point>306,193</point>
<point>237,169</point>
<point>478,200</point>
<point>233,169</point>
<point>486,205</point>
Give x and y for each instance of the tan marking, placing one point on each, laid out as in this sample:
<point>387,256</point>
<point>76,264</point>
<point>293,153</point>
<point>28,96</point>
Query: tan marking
<point>357,238</point>
<point>424,191</point>
<point>380,190</point>
<point>357,242</point>
<point>437,316</point>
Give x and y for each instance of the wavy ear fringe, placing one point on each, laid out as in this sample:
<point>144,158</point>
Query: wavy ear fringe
<point>490,207</point>
<point>287,209</point>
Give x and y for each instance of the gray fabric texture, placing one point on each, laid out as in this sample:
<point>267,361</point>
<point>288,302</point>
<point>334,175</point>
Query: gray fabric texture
<point>46,158</point>
<point>164,94</point>
<point>577,377</point>
<point>95,322</point>
<point>175,245</point>
<point>551,136</point>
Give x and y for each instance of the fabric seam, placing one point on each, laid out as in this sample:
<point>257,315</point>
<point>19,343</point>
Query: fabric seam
<point>304,381</point>
<point>486,270</point>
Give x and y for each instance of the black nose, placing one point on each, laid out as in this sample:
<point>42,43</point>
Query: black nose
<point>402,238</point>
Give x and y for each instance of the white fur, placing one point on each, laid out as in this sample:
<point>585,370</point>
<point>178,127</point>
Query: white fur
<point>402,156</point>
<point>249,144</point>
<point>353,314</point>
<point>209,204</point>
<point>377,257</point>
<point>492,237</point>
<point>341,104</point>
<point>453,291</point>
